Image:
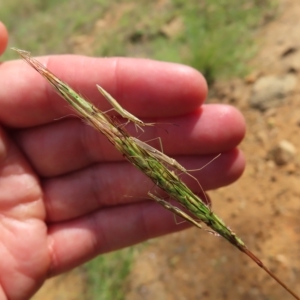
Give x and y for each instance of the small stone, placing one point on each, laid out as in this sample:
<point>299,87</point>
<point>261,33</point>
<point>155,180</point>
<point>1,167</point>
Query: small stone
<point>262,137</point>
<point>283,152</point>
<point>282,259</point>
<point>271,91</point>
<point>270,164</point>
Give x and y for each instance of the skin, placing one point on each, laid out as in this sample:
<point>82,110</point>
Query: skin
<point>65,194</point>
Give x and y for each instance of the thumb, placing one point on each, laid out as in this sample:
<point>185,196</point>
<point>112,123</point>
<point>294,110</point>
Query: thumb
<point>3,38</point>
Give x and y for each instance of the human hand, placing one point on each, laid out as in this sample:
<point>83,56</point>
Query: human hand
<point>65,194</point>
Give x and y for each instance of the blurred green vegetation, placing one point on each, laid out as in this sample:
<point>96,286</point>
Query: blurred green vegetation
<point>213,36</point>
<point>216,37</point>
<point>106,275</point>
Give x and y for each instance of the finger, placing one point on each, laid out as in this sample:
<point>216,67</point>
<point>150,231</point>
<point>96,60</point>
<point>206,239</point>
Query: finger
<point>3,38</point>
<point>70,145</point>
<point>75,242</point>
<point>106,185</point>
<point>20,192</point>
<point>141,86</point>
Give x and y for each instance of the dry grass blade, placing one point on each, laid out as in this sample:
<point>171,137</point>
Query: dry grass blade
<point>149,164</point>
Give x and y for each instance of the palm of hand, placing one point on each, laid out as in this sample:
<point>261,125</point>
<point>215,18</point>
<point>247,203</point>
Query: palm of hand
<point>62,186</point>
<point>24,245</point>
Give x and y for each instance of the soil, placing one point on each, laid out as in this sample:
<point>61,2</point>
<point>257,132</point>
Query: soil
<point>263,207</point>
